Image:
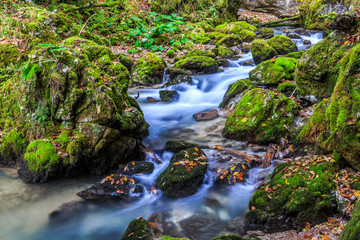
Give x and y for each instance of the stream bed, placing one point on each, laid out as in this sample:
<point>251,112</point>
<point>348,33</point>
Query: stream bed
<point>25,208</point>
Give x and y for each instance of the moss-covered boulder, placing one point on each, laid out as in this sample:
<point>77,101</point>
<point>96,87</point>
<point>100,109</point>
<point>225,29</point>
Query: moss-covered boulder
<point>272,72</point>
<point>200,52</point>
<point>215,36</point>
<point>266,33</point>
<point>185,173</point>
<point>177,146</point>
<point>140,229</point>
<point>289,88</point>
<point>296,55</point>
<point>247,35</point>
<point>352,228</point>
<point>335,123</point>
<point>9,54</point>
<point>282,44</point>
<point>262,51</point>
<point>149,70</point>
<point>13,145</point>
<point>169,95</point>
<point>82,87</point>
<point>262,117</point>
<point>235,27</point>
<point>235,90</point>
<point>223,52</point>
<point>198,65</point>
<point>295,193</point>
<point>230,40</point>
<point>318,69</point>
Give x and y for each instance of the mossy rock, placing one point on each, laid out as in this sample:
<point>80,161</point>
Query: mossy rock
<point>262,117</point>
<point>288,88</point>
<point>202,40</point>
<point>282,44</point>
<point>172,238</point>
<point>128,63</point>
<point>266,33</point>
<point>295,193</point>
<point>223,52</point>
<point>9,54</point>
<point>272,72</point>
<point>185,173</point>
<point>169,95</point>
<point>170,53</point>
<point>149,70</point>
<point>198,64</point>
<point>318,68</point>
<point>334,125</point>
<point>177,146</point>
<point>262,51</point>
<point>247,35</point>
<point>13,145</point>
<point>232,237</point>
<point>296,55</point>
<point>216,36</point>
<point>136,167</point>
<point>235,27</point>
<point>140,229</point>
<point>230,40</point>
<point>352,228</point>
<point>235,90</point>
<point>200,52</point>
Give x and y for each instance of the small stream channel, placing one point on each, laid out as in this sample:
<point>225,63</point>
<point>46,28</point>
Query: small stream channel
<point>25,208</point>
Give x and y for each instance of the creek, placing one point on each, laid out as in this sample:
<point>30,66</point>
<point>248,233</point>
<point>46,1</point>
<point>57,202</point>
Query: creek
<point>25,208</point>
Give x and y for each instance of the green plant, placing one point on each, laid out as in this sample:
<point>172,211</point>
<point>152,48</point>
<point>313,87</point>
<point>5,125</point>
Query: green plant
<point>159,26</point>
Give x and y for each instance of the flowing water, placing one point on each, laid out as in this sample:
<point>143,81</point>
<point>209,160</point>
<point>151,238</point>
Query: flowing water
<point>25,208</point>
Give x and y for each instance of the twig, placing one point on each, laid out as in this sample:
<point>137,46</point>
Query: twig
<point>294,92</point>
<point>86,23</point>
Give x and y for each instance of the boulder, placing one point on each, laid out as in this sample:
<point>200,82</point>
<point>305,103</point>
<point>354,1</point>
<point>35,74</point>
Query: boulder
<point>140,229</point>
<point>282,44</point>
<point>206,116</point>
<point>262,117</point>
<point>223,52</point>
<point>247,35</point>
<point>272,72</point>
<point>201,226</point>
<point>135,167</point>
<point>266,33</point>
<point>185,173</point>
<point>230,40</point>
<point>198,65</point>
<point>200,52</point>
<point>246,47</point>
<point>77,119</point>
<point>13,145</point>
<point>262,51</point>
<point>288,88</point>
<point>352,228</point>
<point>296,192</point>
<point>235,90</point>
<point>177,146</point>
<point>235,27</point>
<point>178,80</point>
<point>149,70</point>
<point>233,172</point>
<point>275,7</point>
<point>169,95</point>
<point>293,36</point>
<point>296,55</point>
<point>113,187</point>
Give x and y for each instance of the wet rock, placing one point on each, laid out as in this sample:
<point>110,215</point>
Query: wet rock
<point>266,33</point>
<point>177,146</point>
<point>169,95</point>
<point>247,35</point>
<point>205,116</point>
<point>282,44</point>
<point>230,40</point>
<point>261,117</point>
<point>178,80</point>
<point>235,224</point>
<point>223,63</point>
<point>198,65</point>
<point>149,70</point>
<point>246,47</point>
<point>67,211</point>
<point>166,226</point>
<point>233,172</point>
<point>248,63</point>
<point>201,226</point>
<point>113,187</point>
<point>229,237</point>
<point>234,91</point>
<point>306,42</point>
<point>295,193</point>
<point>223,52</point>
<point>271,72</point>
<point>185,173</point>
<point>303,32</point>
<point>135,167</point>
<point>344,22</point>
<point>293,36</point>
<point>140,229</point>
<point>151,99</point>
<point>262,51</point>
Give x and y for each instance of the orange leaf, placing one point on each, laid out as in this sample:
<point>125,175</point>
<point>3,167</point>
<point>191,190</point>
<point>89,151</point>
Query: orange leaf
<point>152,224</point>
<point>307,226</point>
<point>120,191</point>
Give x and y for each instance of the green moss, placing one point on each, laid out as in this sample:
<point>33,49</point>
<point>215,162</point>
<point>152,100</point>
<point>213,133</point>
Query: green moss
<point>13,145</point>
<point>282,44</point>
<point>223,52</point>
<point>40,155</point>
<point>262,51</point>
<point>172,238</point>
<point>198,64</point>
<point>149,70</point>
<point>200,52</point>
<point>272,72</point>
<point>9,54</point>
<point>260,117</point>
<point>266,33</point>
<point>288,88</point>
<point>170,53</point>
<point>216,35</point>
<point>247,35</point>
<point>235,27</point>
<point>137,229</point>
<point>352,228</point>
<point>234,90</point>
<point>296,55</point>
<point>230,40</point>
